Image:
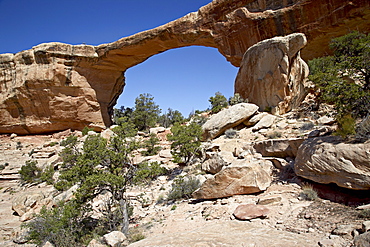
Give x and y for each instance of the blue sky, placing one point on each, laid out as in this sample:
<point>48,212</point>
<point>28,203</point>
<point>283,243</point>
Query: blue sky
<point>182,79</point>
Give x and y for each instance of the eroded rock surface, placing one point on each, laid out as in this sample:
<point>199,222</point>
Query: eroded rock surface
<point>329,160</point>
<point>56,86</point>
<point>272,74</point>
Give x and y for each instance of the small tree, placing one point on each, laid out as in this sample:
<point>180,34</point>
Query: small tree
<point>236,99</point>
<point>185,141</point>
<point>218,102</point>
<point>151,146</point>
<point>343,79</point>
<point>146,112</point>
<point>170,117</point>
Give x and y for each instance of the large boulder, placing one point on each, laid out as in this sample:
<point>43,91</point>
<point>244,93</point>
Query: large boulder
<point>227,118</point>
<point>273,75</point>
<point>56,86</point>
<point>241,177</point>
<point>280,148</point>
<point>329,160</point>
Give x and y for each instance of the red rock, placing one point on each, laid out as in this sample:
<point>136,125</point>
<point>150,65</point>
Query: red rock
<point>250,211</point>
<point>55,86</point>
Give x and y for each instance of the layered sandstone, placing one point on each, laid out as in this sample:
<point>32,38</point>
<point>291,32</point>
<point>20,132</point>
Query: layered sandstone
<point>57,86</point>
<point>272,74</point>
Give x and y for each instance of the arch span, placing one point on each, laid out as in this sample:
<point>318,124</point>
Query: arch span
<point>57,86</point>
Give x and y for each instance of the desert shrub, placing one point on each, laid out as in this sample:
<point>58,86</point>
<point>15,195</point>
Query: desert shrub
<point>308,193</point>
<point>183,187</point>
<point>343,79</point>
<point>147,172</point>
<point>364,214</point>
<point>185,141</point>
<point>347,126</point>
<point>306,126</point>
<point>61,226</point>
<point>47,175</point>
<point>236,99</point>
<point>231,133</point>
<point>151,146</point>
<point>29,172</point>
<point>274,135</point>
<point>218,102</point>
<point>86,130</point>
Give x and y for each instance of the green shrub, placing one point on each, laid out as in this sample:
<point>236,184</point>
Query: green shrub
<point>185,141</point>
<point>61,226</point>
<point>86,130</point>
<point>147,172</point>
<point>29,172</point>
<point>47,175</point>
<point>308,193</point>
<point>183,187</point>
<point>343,79</point>
<point>236,99</point>
<point>151,146</point>
<point>218,102</point>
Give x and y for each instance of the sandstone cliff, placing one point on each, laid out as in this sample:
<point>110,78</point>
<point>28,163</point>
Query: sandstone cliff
<point>58,86</point>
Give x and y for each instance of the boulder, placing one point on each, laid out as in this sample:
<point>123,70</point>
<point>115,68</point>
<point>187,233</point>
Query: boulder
<point>273,75</point>
<point>227,118</point>
<point>241,177</point>
<point>213,165</point>
<point>115,238</point>
<point>330,160</point>
<point>250,211</point>
<point>265,122</point>
<point>362,240</point>
<point>255,119</point>
<point>280,148</point>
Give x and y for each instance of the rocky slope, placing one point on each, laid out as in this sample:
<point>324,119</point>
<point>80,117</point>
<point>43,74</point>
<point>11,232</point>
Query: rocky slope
<point>281,216</point>
<point>56,86</point>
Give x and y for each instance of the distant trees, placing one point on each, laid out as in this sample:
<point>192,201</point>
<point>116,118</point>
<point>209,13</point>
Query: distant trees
<point>146,112</point>
<point>218,102</point>
<point>344,79</point>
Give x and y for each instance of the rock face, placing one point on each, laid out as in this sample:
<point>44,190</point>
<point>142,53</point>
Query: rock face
<point>56,86</point>
<point>242,177</point>
<point>227,118</point>
<point>272,73</point>
<point>327,160</point>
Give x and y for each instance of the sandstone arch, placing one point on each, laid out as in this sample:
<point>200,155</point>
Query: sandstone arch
<point>57,86</point>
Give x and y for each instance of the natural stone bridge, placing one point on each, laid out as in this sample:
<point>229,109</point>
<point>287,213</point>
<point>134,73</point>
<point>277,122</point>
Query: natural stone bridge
<point>57,86</point>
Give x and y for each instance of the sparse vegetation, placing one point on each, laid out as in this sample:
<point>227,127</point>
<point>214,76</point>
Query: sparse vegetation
<point>151,146</point>
<point>185,141</point>
<point>231,133</point>
<point>364,214</point>
<point>236,99</point>
<point>344,79</point>
<point>308,193</point>
<point>29,172</point>
<point>183,187</point>
<point>147,172</point>
<point>218,102</point>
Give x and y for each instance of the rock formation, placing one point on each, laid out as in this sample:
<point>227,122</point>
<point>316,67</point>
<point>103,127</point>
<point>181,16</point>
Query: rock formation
<point>57,86</point>
<point>228,118</point>
<point>328,160</point>
<point>272,74</point>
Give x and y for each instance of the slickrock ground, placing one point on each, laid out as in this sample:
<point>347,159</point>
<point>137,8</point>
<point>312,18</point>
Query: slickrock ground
<point>291,221</point>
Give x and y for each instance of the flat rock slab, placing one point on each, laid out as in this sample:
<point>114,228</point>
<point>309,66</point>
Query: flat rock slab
<point>232,233</point>
<point>250,211</point>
